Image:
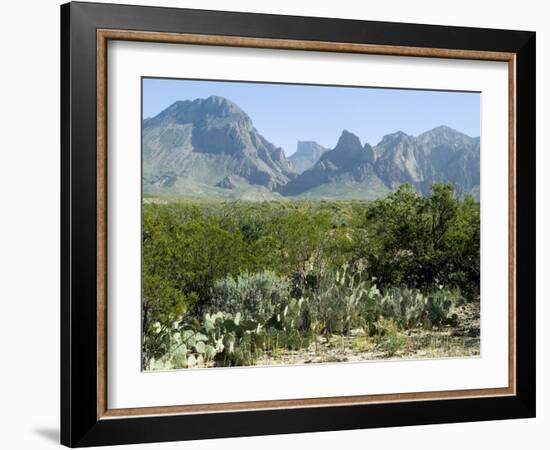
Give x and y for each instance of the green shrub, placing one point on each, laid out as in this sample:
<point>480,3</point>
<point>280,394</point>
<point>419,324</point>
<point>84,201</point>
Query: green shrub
<point>163,307</point>
<point>391,340</point>
<point>257,296</point>
<point>275,275</point>
<point>421,241</point>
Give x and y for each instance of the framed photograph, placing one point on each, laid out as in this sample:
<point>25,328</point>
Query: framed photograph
<point>276,224</point>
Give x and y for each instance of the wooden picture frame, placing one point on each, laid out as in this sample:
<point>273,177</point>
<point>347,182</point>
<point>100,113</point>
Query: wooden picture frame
<point>86,418</point>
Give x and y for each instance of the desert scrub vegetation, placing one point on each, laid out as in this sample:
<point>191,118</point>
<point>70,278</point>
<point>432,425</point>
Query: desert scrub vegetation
<point>244,283</point>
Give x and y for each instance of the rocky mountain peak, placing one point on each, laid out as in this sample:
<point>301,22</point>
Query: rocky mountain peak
<point>221,106</point>
<point>349,152</point>
<point>393,138</point>
<point>306,155</point>
<point>206,138</point>
<point>309,149</point>
<point>210,145</point>
<point>369,153</point>
<point>213,110</point>
<point>348,142</point>
<point>444,134</point>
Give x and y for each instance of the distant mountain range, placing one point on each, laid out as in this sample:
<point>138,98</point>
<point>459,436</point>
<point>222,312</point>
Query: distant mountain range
<point>306,155</point>
<point>209,147</point>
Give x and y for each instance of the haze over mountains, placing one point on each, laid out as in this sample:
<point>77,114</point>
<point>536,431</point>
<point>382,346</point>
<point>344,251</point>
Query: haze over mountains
<point>306,155</point>
<point>210,147</point>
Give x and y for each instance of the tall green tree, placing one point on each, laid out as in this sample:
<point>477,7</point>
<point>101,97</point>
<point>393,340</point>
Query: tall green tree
<point>421,242</point>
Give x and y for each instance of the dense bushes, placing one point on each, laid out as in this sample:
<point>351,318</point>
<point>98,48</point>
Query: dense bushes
<point>260,321</point>
<point>163,306</point>
<point>423,242</point>
<point>254,295</point>
<point>227,281</point>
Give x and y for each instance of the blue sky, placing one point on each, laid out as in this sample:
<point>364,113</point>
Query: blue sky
<point>285,113</point>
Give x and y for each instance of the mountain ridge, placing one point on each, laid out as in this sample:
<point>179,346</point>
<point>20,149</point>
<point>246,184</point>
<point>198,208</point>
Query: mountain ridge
<point>217,128</point>
<point>211,147</point>
<point>306,155</point>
